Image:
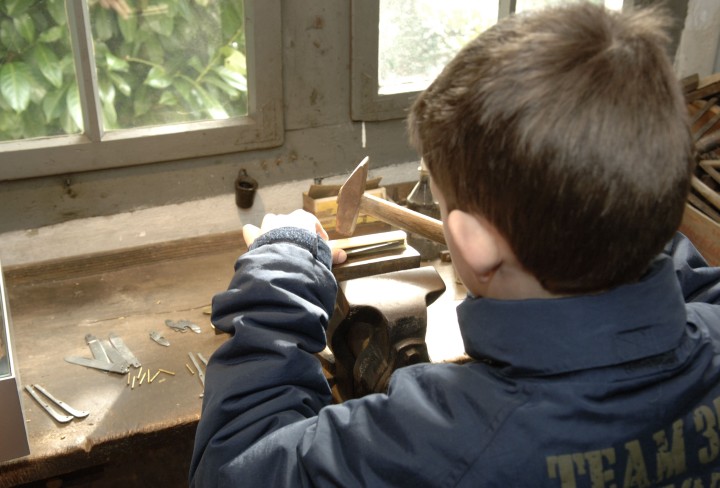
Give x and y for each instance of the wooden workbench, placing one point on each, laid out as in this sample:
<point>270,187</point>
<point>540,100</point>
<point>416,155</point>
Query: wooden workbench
<point>141,436</point>
<point>132,437</point>
<point>53,307</point>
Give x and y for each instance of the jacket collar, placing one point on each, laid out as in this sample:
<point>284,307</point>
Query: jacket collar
<point>550,336</point>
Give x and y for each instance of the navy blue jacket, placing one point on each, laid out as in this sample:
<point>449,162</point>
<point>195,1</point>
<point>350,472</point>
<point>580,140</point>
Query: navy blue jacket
<point>617,389</point>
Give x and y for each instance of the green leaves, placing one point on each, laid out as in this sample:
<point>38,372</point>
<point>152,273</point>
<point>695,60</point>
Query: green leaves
<point>232,78</point>
<point>16,85</point>
<point>47,62</point>
<point>17,7</point>
<point>74,110</point>
<point>165,63</point>
<point>25,27</point>
<point>158,78</point>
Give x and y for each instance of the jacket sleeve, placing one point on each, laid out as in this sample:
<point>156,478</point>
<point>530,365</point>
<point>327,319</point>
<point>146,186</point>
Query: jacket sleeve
<point>267,418</point>
<point>266,375</point>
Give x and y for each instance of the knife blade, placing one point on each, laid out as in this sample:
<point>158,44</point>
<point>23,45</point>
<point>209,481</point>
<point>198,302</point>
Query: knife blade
<point>94,363</point>
<point>189,325</point>
<point>97,349</point>
<point>113,354</point>
<point>201,375</point>
<point>157,337</point>
<point>119,344</point>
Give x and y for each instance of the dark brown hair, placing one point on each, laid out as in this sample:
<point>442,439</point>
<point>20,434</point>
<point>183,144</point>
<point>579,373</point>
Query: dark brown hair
<point>566,128</point>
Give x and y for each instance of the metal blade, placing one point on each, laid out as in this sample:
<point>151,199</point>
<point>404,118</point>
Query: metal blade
<point>201,375</point>
<point>72,411</point>
<point>157,337</point>
<point>98,351</point>
<point>118,343</point>
<point>186,324</point>
<point>113,354</point>
<point>46,406</point>
<point>348,200</point>
<point>176,326</point>
<point>94,363</point>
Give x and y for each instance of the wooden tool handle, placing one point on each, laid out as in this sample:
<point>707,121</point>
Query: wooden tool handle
<point>402,217</point>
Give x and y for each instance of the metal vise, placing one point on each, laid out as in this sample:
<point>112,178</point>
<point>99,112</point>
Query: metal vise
<point>370,341</point>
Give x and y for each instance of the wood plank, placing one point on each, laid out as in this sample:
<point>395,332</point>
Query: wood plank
<point>103,262</point>
<point>707,87</point>
<point>704,234</point>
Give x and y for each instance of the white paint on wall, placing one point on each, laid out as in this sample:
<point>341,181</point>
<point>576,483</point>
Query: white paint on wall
<point>700,40</point>
<point>166,223</point>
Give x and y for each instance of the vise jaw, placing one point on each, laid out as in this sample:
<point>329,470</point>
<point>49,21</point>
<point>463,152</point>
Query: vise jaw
<point>378,326</point>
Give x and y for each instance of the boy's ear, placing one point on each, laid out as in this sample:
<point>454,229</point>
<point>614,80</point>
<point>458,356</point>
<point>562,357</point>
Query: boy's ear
<point>475,241</point>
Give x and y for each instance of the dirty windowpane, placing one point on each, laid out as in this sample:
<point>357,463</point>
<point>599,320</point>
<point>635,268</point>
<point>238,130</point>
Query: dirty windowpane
<point>522,5</point>
<point>418,37</point>
<point>38,88</point>
<point>169,61</point>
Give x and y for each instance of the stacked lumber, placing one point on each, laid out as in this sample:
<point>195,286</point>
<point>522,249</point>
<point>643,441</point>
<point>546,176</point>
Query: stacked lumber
<point>702,96</point>
<point>702,218</point>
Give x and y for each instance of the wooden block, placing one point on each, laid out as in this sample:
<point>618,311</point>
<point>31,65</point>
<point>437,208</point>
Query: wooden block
<point>325,209</point>
<point>690,83</point>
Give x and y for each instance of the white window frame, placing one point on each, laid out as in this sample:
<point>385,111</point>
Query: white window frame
<point>96,149</point>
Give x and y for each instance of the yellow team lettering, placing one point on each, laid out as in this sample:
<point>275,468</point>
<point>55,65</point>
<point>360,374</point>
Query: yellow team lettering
<point>692,483</point>
<point>706,424</point>
<point>670,457</point>
<point>599,476</point>
<point>565,467</point>
<point>636,474</point>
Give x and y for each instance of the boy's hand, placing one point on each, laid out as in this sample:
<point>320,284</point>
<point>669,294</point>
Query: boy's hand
<point>298,218</point>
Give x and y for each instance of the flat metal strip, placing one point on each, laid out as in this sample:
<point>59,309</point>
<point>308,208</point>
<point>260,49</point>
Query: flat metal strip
<point>119,344</point>
<point>72,411</point>
<point>201,375</point>
<point>97,349</point>
<point>46,406</point>
<point>94,363</point>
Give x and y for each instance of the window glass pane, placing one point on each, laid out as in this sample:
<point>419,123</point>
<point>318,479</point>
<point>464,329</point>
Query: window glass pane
<point>169,61</point>
<point>418,37</point>
<point>38,88</point>
<point>534,4</point>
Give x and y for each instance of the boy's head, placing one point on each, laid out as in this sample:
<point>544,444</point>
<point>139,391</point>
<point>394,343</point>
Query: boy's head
<point>566,129</point>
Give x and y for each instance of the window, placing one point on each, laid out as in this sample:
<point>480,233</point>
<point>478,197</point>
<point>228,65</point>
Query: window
<point>413,41</point>
<point>95,84</point>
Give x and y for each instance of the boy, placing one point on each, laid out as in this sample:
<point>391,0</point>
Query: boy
<point>560,157</point>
